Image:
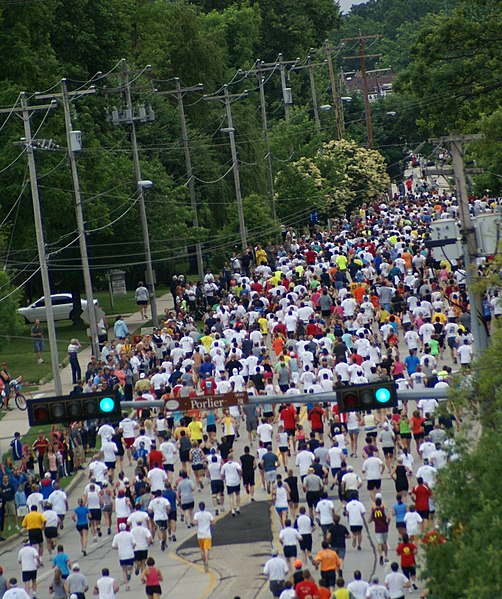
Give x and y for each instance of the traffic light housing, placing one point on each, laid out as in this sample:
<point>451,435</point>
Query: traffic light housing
<point>70,408</point>
<point>369,396</point>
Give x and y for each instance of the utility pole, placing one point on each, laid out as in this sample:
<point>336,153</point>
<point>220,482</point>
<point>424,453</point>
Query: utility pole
<point>25,113</point>
<point>334,91</point>
<point>286,91</point>
<point>260,69</point>
<point>264,125</point>
<point>468,232</point>
<point>71,139</point>
<point>310,68</point>
<point>362,60</point>
<point>150,278</point>
<point>227,99</point>
<point>179,92</point>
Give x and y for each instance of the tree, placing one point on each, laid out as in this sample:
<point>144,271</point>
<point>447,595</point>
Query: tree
<point>260,228</point>
<point>468,502</point>
<point>456,68</point>
<point>10,320</point>
<point>340,177</point>
<point>294,26</point>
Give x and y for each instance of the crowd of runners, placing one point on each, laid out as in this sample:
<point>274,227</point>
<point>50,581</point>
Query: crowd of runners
<point>362,302</point>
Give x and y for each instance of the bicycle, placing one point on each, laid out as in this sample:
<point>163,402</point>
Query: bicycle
<point>20,396</point>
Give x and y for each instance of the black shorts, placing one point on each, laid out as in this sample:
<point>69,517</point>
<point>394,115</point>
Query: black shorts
<point>142,303</point>
<point>388,450</point>
<point>284,449</point>
<point>35,536</point>
<point>235,489</point>
<point>29,575</point>
<point>140,555</point>
<point>313,498</point>
<point>127,562</point>
<point>374,484</point>
<point>217,487</point>
<point>306,542</point>
<point>409,571</point>
<point>95,515</point>
<point>319,430</point>
<point>356,528</point>
<point>424,514</point>
<point>290,551</point>
<point>153,589</point>
<point>197,467</point>
<point>161,524</point>
<point>51,532</point>
<point>290,432</point>
<point>168,467</point>
<point>405,435</point>
<point>187,506</point>
<point>110,465</point>
<point>248,479</point>
<point>81,527</point>
<point>211,428</point>
<point>372,434</point>
<point>172,516</point>
<point>185,455</point>
<point>418,436</point>
<point>329,577</point>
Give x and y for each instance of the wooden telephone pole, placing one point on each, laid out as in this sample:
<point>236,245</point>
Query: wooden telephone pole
<point>362,56</point>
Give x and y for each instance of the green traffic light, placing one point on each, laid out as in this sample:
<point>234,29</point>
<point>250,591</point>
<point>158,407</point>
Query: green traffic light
<point>106,405</point>
<point>382,395</point>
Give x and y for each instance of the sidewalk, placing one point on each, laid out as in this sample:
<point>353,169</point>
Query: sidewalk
<point>17,420</point>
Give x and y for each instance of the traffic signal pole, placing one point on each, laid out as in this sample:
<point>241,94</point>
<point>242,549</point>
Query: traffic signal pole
<point>327,396</point>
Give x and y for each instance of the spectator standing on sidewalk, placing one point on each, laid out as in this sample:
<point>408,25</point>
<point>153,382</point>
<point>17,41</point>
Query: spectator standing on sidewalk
<point>38,340</point>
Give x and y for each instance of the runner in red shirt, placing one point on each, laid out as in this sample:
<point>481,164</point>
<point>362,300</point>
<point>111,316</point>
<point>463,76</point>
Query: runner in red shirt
<point>406,552</point>
<point>421,495</point>
<point>289,417</point>
<point>307,587</point>
<point>315,416</point>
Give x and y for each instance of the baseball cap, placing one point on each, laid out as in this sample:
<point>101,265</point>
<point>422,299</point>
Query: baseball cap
<point>350,468</point>
<point>142,375</point>
<point>76,566</point>
<point>298,563</point>
<point>274,552</point>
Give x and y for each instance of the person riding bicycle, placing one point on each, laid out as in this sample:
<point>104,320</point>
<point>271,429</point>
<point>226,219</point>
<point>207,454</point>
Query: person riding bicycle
<point>7,383</point>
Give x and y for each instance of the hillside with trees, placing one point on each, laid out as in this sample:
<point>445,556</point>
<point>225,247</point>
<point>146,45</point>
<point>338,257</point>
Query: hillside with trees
<point>446,56</point>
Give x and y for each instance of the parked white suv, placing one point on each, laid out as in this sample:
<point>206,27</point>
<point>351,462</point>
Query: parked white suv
<point>62,306</point>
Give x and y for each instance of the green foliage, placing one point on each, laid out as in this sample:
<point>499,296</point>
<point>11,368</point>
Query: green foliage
<point>260,226</point>
<point>456,67</point>
<point>239,25</point>
<point>10,321</point>
<point>341,176</point>
<point>293,26</point>
<point>468,503</point>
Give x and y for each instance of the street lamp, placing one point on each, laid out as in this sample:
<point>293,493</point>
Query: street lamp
<point>142,186</point>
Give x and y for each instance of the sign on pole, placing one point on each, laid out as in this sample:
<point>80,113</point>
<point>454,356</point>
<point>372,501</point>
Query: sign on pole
<point>207,402</point>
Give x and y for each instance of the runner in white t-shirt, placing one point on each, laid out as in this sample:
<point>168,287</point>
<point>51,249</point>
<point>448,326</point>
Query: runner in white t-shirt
<point>232,474</point>
<point>204,521</point>
<point>123,541</point>
<point>159,508</point>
